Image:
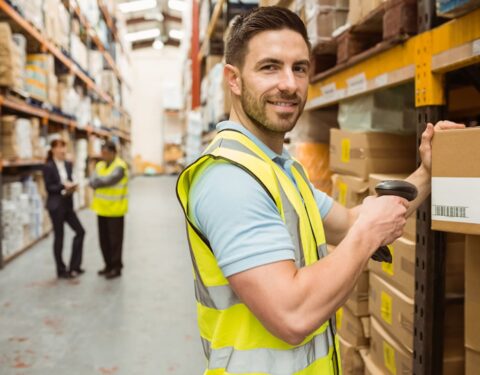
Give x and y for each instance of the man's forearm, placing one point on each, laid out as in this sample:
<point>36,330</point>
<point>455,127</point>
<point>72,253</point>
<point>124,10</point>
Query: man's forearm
<point>421,178</point>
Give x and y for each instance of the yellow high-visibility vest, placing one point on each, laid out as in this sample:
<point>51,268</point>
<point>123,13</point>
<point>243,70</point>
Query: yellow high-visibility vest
<point>234,340</point>
<point>111,201</point>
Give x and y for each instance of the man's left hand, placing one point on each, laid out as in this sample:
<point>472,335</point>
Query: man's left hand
<point>427,136</point>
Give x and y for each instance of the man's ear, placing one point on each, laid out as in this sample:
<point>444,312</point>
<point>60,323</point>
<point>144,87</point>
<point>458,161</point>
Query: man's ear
<point>232,78</point>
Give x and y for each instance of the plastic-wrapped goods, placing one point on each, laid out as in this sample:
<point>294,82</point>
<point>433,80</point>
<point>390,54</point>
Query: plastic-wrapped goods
<point>39,67</point>
<point>391,110</point>
<point>39,143</point>
<point>193,143</point>
<point>323,22</point>
<point>455,8</point>
<point>16,138</point>
<point>109,84</point>
<point>12,58</point>
<point>57,22</point>
<point>31,10</point>
<point>95,65</point>
<point>312,5</point>
<point>315,157</point>
<point>84,112</point>
<point>90,10</point>
<point>79,51</point>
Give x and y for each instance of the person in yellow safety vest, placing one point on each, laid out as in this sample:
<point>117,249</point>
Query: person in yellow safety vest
<point>110,203</point>
<point>265,287</point>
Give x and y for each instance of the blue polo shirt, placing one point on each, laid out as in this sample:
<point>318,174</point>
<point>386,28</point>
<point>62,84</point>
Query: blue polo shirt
<point>238,217</point>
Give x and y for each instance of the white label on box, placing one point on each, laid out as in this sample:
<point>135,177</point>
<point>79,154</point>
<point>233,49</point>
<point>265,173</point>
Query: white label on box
<point>329,91</point>
<point>476,47</point>
<point>381,80</point>
<point>357,84</point>
<point>456,199</point>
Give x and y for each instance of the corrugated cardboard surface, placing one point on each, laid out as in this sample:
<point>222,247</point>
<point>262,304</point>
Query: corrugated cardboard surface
<point>388,354</point>
<point>350,328</point>
<point>360,154</point>
<point>392,309</point>
<point>349,191</point>
<point>358,300</point>
<point>472,293</point>
<point>472,362</point>
<point>352,363</point>
<point>401,272</point>
<point>455,153</point>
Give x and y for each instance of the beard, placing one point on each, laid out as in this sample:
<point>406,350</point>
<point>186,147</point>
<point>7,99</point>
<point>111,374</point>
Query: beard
<point>256,111</point>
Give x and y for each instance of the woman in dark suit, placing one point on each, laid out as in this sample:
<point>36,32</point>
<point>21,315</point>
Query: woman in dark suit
<point>57,174</point>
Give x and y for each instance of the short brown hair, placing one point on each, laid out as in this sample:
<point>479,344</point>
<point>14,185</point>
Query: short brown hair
<point>247,25</point>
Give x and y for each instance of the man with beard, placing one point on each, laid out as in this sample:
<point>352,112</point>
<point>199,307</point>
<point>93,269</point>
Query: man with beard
<point>266,289</point>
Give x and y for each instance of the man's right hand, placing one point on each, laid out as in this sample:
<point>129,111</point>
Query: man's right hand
<point>383,218</point>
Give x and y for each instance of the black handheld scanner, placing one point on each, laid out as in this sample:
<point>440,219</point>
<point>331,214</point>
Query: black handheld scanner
<point>400,189</point>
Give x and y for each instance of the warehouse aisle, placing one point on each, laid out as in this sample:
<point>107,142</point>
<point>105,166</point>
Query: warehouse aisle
<point>141,324</point>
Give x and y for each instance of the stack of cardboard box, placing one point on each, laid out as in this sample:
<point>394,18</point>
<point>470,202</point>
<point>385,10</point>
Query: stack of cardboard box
<point>57,23</point>
<point>324,17</point>
<point>359,9</point>
<point>41,82</point>
<point>12,58</point>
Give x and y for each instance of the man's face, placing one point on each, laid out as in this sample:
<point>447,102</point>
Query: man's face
<point>275,79</point>
<point>107,155</point>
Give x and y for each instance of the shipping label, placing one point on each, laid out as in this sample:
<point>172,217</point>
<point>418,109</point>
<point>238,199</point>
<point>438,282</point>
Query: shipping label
<point>389,358</point>
<point>342,193</point>
<point>456,199</point>
<point>345,157</point>
<point>386,307</point>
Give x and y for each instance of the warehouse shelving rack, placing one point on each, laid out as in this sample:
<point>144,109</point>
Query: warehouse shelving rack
<point>439,49</point>
<point>16,105</point>
<point>425,59</point>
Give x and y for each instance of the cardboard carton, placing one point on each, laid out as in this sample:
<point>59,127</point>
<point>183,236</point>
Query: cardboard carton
<point>472,362</point>
<point>456,181</point>
<point>360,154</point>
<point>357,303</point>
<point>350,328</point>
<point>401,272</point>
<point>352,363</point>
<point>472,293</point>
<point>349,191</point>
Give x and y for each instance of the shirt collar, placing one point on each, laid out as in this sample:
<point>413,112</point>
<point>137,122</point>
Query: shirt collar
<point>231,125</point>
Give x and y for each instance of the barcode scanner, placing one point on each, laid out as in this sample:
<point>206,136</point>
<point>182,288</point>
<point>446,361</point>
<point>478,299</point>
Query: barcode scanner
<point>400,189</point>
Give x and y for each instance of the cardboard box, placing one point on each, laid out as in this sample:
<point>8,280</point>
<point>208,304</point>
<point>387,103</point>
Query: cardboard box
<point>370,367</point>
<point>349,191</point>
<point>357,303</point>
<point>456,181</point>
<point>472,293</point>
<point>361,154</point>
<point>324,21</point>
<point>472,362</point>
<point>387,354</point>
<point>352,362</point>
<point>401,272</point>
<point>455,263</point>
<point>351,328</point>
<point>392,309</point>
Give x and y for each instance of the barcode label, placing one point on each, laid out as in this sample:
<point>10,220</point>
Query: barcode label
<point>450,211</point>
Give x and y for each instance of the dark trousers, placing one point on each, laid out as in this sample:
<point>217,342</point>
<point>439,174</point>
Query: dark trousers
<point>110,231</point>
<point>59,217</point>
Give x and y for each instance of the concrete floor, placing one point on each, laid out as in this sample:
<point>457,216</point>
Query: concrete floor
<point>141,324</point>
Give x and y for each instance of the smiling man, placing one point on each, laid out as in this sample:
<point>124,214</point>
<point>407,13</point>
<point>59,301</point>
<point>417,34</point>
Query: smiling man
<point>266,289</point>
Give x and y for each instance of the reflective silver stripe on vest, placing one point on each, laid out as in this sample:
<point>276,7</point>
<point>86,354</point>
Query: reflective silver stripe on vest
<point>110,197</point>
<point>269,361</point>
<point>322,251</point>
<point>216,297</point>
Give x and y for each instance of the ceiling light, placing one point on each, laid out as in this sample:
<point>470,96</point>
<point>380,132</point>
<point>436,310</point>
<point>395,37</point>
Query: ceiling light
<point>137,6</point>
<point>177,5</point>
<point>157,43</point>
<point>142,35</point>
<point>175,34</point>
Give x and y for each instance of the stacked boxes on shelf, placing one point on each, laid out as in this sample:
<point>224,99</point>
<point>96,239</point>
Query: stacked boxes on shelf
<point>16,138</point>
<point>23,214</point>
<point>32,11</point>
<point>41,82</point>
<point>12,58</point>
<point>359,148</point>
<point>324,17</point>
<point>215,92</point>
<point>57,23</point>
<point>359,9</point>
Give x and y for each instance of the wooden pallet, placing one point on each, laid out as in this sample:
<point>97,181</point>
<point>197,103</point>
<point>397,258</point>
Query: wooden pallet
<point>391,23</point>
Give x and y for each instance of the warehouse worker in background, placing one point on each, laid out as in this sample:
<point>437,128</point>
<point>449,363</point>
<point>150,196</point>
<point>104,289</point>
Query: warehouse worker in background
<point>266,289</point>
<point>57,174</point>
<point>110,203</point>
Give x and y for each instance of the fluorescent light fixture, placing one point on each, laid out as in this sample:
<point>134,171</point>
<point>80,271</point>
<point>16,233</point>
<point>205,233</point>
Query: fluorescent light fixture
<point>137,6</point>
<point>177,5</point>
<point>142,35</point>
<point>175,34</point>
<point>157,43</point>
